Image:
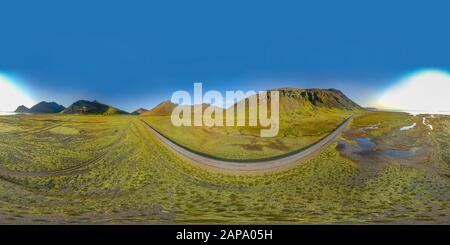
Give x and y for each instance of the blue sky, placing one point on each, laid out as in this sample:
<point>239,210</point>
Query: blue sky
<point>136,53</point>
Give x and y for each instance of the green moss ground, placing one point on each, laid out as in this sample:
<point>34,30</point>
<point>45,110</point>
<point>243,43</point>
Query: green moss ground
<point>141,181</point>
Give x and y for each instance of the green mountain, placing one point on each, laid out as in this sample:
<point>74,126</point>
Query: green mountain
<point>139,111</point>
<point>310,101</point>
<point>22,109</point>
<point>46,107</point>
<point>307,102</point>
<point>297,106</point>
<point>92,107</point>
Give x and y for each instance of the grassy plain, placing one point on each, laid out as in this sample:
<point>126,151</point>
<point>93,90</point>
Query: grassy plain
<point>36,143</point>
<point>141,181</point>
<point>297,131</point>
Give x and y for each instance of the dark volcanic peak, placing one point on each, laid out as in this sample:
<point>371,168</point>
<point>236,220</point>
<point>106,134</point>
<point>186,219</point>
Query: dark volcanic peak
<point>22,109</point>
<point>46,107</point>
<point>139,111</point>
<point>92,107</point>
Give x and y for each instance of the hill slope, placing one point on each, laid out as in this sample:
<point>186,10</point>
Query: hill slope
<point>308,101</point>
<point>92,107</point>
<point>166,107</point>
<point>162,109</point>
<point>46,107</point>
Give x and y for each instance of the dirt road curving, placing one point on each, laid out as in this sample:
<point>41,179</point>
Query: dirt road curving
<point>248,166</point>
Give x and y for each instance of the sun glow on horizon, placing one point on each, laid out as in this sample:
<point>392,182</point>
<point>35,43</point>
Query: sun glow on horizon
<point>425,90</point>
<point>11,96</point>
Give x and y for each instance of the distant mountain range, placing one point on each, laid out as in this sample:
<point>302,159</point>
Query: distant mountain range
<point>47,107</point>
<point>371,108</point>
<point>41,108</point>
<point>292,100</point>
<point>92,107</point>
<point>79,107</point>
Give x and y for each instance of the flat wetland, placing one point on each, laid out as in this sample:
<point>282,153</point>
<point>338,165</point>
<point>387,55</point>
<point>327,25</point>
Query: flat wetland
<point>111,170</point>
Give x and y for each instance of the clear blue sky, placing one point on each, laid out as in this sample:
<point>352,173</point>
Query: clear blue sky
<point>136,53</point>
